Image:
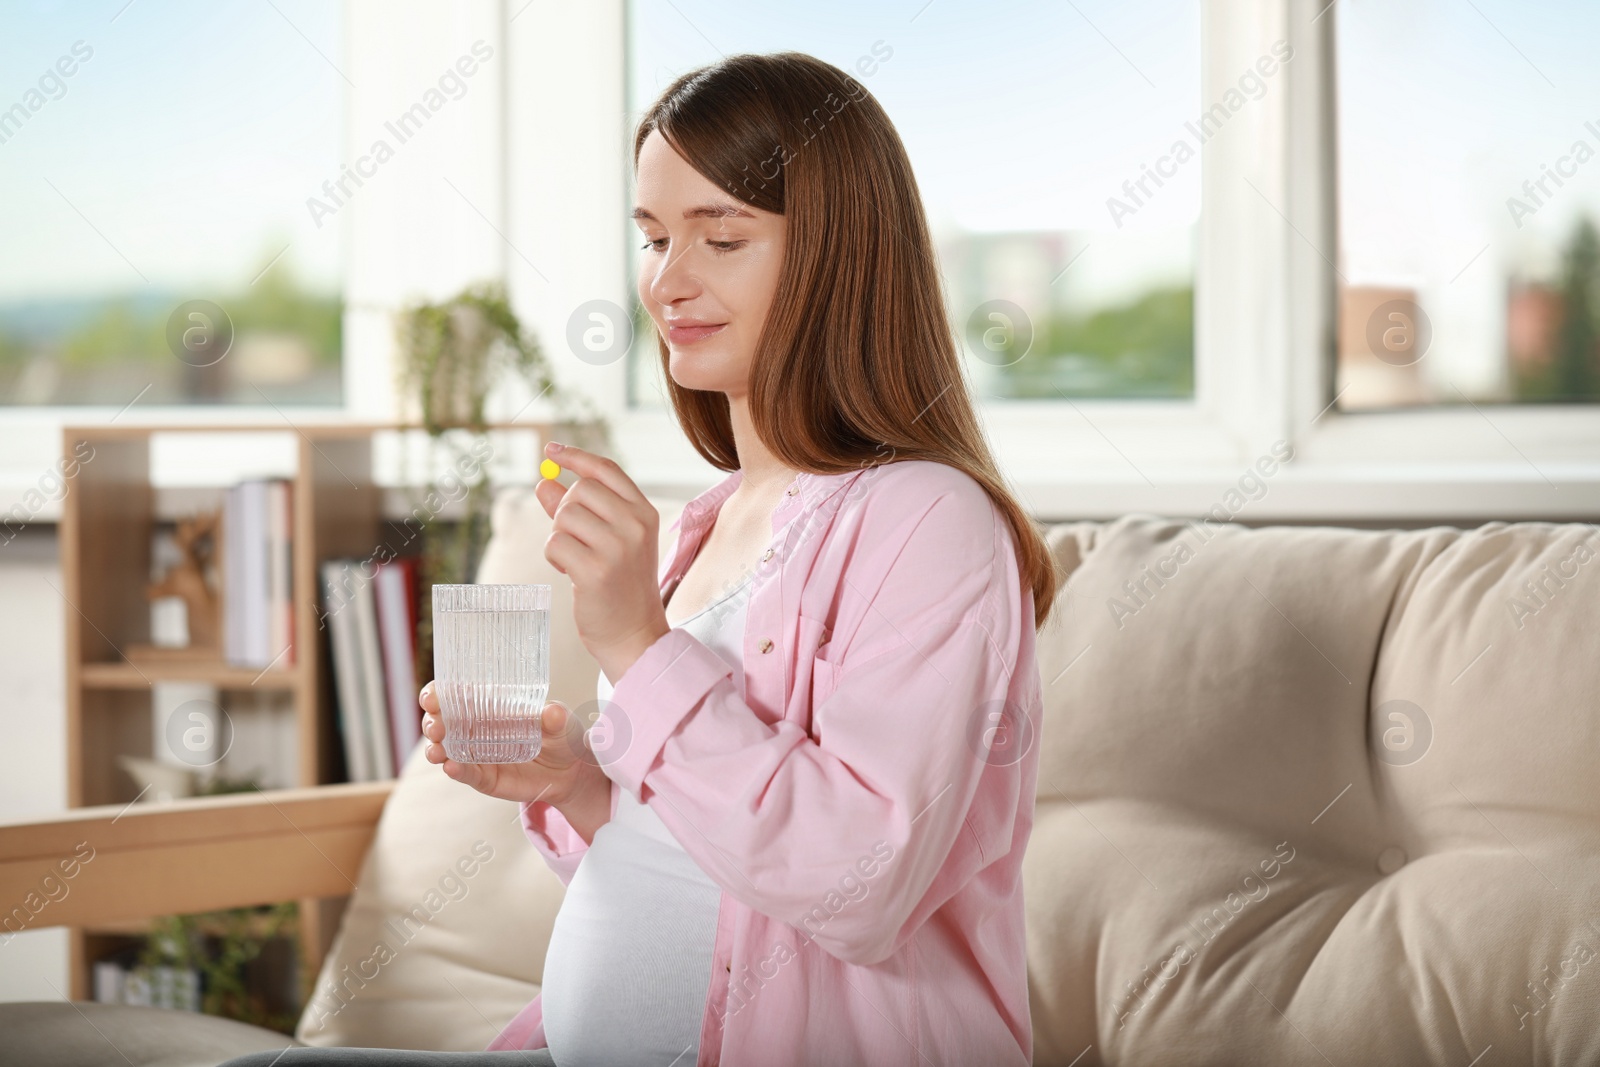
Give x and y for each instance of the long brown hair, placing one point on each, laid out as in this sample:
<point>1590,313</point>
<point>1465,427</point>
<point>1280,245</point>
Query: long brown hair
<point>857,352</point>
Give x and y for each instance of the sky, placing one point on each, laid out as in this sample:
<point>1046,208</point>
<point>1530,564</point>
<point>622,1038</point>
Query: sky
<point>182,149</point>
<point>1446,107</point>
<point>1016,114</point>
<point>186,145</point>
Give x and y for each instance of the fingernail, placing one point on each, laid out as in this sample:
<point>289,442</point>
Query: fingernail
<point>554,446</point>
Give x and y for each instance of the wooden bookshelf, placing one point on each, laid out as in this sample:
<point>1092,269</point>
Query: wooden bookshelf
<point>108,520</point>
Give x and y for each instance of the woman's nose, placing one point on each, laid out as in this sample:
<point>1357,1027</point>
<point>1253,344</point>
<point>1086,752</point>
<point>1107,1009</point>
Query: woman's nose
<point>674,278</point>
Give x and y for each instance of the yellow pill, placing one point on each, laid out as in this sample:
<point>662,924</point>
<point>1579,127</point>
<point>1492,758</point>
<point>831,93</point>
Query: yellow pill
<point>549,468</point>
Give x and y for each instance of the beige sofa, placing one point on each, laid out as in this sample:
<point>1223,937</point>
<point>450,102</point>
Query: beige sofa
<point>1306,796</point>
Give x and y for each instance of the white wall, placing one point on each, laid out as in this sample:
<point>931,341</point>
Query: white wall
<point>33,760</point>
<point>424,225</point>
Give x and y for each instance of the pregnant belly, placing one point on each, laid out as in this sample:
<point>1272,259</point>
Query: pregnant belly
<point>629,962</point>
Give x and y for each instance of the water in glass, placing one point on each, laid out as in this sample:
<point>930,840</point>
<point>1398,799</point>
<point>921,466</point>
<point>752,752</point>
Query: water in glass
<point>491,657</point>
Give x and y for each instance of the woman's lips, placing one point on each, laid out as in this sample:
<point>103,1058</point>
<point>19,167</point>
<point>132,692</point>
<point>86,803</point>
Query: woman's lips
<point>688,335</point>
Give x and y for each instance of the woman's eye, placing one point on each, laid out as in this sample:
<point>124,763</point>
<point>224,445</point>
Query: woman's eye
<point>656,244</point>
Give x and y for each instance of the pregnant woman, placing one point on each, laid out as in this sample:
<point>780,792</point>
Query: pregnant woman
<point>793,833</point>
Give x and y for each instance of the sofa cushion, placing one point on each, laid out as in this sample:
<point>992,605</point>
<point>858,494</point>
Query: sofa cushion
<point>1313,795</point>
<point>56,1033</point>
<point>443,939</point>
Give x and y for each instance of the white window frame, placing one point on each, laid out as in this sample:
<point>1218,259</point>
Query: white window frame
<point>557,175</point>
<point>1264,314</point>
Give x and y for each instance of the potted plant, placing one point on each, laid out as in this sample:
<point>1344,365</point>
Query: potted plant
<point>222,947</point>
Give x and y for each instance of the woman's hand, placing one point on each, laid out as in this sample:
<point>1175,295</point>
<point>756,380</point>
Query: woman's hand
<point>563,771</point>
<point>605,540</point>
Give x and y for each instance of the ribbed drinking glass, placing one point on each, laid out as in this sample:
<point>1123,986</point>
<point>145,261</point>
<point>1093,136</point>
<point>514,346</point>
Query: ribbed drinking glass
<point>491,664</point>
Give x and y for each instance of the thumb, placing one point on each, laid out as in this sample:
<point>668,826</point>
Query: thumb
<point>553,720</point>
<point>557,721</point>
<point>549,493</point>
<point>469,774</point>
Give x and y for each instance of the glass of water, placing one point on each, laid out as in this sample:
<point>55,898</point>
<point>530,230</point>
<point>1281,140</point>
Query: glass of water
<point>491,665</point>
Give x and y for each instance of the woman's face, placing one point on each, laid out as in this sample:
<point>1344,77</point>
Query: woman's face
<point>709,269</point>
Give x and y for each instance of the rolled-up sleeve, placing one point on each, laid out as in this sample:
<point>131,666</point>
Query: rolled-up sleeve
<point>791,822</point>
<point>554,837</point>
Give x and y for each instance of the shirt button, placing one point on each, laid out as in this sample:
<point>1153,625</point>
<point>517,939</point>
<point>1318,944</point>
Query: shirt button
<point>766,555</point>
<point>765,644</point>
<point>792,490</point>
<point>728,967</point>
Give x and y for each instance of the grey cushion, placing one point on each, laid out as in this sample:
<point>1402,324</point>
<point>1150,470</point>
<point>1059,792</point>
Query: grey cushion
<point>85,1034</point>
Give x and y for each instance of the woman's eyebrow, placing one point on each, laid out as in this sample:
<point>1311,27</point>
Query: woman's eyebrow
<point>702,211</point>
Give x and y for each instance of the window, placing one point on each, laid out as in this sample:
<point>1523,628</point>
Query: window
<point>1469,194</point>
<point>156,161</point>
<point>1179,328</point>
<point>1044,140</point>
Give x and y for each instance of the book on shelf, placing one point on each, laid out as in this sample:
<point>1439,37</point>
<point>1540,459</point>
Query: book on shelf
<point>372,629</point>
<point>396,588</point>
<point>257,598</point>
<point>280,582</point>
<point>338,592</point>
<point>375,702</point>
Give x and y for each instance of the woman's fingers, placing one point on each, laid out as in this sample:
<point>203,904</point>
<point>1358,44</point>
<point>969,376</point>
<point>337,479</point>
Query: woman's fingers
<point>584,526</point>
<point>549,494</point>
<point>432,725</point>
<point>587,464</point>
<point>554,723</point>
<point>562,760</point>
<point>600,499</point>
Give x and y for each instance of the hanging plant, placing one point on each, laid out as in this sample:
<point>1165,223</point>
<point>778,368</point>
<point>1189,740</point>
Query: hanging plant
<point>453,355</point>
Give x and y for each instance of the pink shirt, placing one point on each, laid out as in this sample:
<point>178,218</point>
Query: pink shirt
<point>865,802</point>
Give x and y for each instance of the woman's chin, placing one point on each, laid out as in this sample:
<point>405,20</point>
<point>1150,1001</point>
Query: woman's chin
<point>691,370</point>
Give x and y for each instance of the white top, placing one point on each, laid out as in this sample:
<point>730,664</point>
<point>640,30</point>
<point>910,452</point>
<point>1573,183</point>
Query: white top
<point>629,964</point>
